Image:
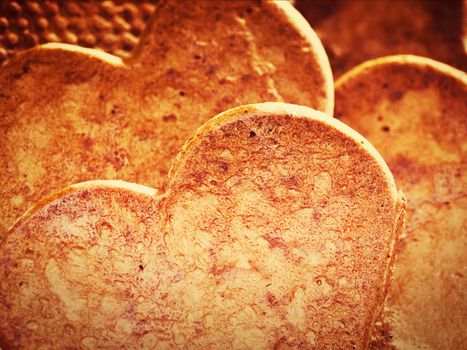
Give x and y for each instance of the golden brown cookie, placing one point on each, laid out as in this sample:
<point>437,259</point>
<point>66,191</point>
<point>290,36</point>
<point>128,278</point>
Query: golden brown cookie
<point>276,229</point>
<point>358,30</point>
<point>414,111</point>
<point>69,114</point>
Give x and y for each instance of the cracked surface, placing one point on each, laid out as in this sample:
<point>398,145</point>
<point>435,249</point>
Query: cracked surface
<point>414,111</point>
<point>275,229</point>
<point>69,114</point>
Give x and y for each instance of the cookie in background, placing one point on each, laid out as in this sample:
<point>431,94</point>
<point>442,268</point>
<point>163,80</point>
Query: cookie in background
<point>71,114</point>
<point>414,111</point>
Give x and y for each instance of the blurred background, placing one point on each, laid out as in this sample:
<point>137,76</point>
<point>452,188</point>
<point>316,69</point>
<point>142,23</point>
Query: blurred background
<point>351,31</point>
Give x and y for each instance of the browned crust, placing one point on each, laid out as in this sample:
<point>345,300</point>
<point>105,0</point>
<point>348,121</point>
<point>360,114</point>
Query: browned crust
<point>406,60</point>
<point>283,218</point>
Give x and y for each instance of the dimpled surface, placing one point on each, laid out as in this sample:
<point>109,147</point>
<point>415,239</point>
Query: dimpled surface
<point>355,31</point>
<point>414,111</point>
<point>112,26</point>
<point>69,115</point>
<point>275,230</point>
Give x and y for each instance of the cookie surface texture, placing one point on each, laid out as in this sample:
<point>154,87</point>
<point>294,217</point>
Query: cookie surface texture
<point>276,229</point>
<point>69,114</point>
<point>414,111</point>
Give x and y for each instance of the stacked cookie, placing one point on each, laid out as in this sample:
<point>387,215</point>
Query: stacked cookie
<point>276,226</point>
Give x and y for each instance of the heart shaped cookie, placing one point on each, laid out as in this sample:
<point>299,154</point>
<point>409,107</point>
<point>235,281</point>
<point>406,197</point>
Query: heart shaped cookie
<point>414,110</point>
<point>275,229</point>
<point>69,114</point>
